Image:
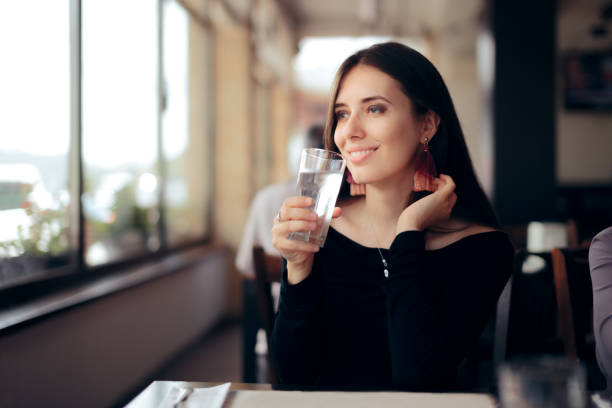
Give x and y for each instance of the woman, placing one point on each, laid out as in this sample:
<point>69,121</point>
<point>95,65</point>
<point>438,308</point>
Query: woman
<point>403,286</point>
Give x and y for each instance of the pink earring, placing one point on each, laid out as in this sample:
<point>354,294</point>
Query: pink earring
<point>424,169</point>
<point>355,189</point>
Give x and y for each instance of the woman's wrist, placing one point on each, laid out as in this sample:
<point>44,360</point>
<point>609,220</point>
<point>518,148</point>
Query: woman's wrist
<point>298,272</point>
<point>411,226</point>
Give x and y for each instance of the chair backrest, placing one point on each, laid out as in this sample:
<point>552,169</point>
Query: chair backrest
<point>268,269</point>
<point>529,309</point>
<point>574,298</point>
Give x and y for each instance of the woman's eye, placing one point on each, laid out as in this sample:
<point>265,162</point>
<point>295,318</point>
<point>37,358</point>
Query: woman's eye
<point>341,115</point>
<point>376,109</point>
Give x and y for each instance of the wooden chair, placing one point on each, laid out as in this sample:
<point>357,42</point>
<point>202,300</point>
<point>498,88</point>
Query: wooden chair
<point>573,238</point>
<point>268,269</point>
<point>574,293</point>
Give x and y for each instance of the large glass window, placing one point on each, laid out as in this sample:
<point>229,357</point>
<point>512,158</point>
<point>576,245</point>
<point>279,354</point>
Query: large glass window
<point>120,130</point>
<point>84,116</point>
<point>184,124</point>
<point>34,137</point>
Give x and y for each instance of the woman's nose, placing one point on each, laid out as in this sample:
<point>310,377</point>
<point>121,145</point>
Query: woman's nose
<point>353,128</point>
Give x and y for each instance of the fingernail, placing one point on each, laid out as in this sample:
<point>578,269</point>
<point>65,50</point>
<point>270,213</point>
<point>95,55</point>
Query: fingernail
<point>309,200</point>
<point>312,225</point>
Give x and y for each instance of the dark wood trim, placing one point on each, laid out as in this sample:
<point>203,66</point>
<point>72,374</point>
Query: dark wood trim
<point>564,307</point>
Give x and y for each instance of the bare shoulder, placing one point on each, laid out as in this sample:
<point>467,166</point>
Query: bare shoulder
<point>457,230</point>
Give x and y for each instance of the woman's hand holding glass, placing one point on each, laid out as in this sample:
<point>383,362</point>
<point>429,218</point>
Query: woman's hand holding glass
<point>295,216</point>
<point>429,210</point>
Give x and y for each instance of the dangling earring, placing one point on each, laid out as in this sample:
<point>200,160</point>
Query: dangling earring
<point>355,189</point>
<point>424,169</point>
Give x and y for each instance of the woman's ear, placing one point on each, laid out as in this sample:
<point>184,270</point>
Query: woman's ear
<point>430,123</point>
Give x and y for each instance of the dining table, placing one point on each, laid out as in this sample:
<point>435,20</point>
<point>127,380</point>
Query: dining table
<point>241,395</point>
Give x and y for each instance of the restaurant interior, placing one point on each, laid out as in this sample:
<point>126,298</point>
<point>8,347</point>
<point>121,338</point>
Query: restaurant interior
<point>119,231</point>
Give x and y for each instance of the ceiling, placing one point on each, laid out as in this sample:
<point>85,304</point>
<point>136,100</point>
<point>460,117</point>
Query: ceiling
<point>398,18</point>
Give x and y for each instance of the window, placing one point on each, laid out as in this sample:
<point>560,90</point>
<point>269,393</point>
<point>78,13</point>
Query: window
<point>184,124</point>
<point>35,194</point>
<point>144,164</point>
<point>120,132</point>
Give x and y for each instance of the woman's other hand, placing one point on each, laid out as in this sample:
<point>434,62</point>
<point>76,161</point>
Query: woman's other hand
<point>431,209</point>
<point>295,216</point>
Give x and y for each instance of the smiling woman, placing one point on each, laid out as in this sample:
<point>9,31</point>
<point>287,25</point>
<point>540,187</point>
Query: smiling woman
<point>405,283</point>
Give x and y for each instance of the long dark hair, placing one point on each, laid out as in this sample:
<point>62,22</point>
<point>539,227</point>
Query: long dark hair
<point>423,84</point>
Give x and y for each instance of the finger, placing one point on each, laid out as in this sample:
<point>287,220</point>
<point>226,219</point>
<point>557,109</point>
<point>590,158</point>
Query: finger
<point>444,185</point>
<point>292,213</point>
<point>289,245</point>
<point>448,181</point>
<point>298,201</point>
<point>286,227</point>
<point>337,212</point>
<point>438,183</point>
<point>452,200</point>
<point>282,230</point>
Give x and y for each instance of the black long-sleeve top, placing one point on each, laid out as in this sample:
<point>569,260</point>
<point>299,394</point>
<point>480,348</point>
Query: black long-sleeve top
<point>348,326</point>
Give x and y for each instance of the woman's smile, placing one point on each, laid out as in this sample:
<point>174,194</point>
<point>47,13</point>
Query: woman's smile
<point>359,155</point>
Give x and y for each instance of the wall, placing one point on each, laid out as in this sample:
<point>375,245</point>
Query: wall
<point>274,45</point>
<point>232,192</point>
<point>584,139</point>
<point>94,354</point>
<point>458,67</point>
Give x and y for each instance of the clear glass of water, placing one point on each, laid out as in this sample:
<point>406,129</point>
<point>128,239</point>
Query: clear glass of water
<point>319,177</point>
<point>545,382</point>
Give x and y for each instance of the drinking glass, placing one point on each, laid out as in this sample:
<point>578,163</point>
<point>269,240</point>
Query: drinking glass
<point>319,177</point>
<point>542,382</point>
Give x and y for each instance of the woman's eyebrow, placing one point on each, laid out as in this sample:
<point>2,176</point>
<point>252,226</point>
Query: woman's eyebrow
<point>373,98</point>
<point>364,100</point>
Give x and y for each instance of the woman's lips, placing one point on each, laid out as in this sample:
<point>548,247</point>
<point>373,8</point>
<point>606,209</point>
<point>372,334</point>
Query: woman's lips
<point>359,156</point>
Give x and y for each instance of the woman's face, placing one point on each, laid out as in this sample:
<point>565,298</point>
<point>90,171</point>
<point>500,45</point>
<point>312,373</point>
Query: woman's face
<point>376,131</point>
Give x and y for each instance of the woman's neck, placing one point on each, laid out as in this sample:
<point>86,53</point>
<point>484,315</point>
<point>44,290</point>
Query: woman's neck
<point>385,201</point>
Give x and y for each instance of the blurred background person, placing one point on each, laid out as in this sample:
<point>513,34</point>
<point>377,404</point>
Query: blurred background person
<point>600,262</point>
<point>258,232</point>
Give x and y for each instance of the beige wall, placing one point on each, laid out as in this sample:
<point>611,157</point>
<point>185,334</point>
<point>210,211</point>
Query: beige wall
<point>584,139</point>
<point>200,124</point>
<point>458,66</point>
<point>232,131</point>
<point>232,141</point>
<point>274,47</point>
<point>282,109</point>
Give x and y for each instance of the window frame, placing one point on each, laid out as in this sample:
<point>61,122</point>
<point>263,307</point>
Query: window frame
<point>77,271</point>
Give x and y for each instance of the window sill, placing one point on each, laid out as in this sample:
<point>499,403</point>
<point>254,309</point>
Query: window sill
<point>28,312</point>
